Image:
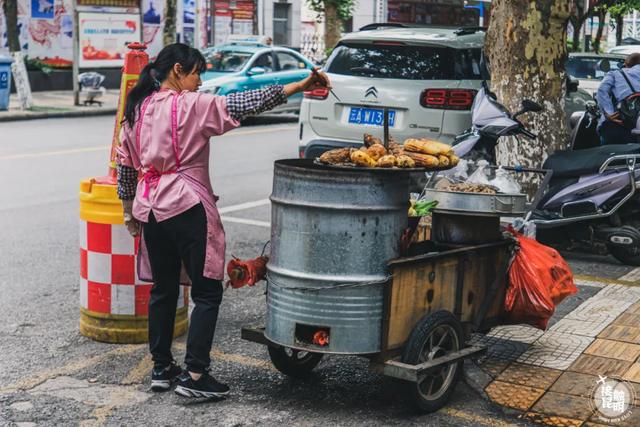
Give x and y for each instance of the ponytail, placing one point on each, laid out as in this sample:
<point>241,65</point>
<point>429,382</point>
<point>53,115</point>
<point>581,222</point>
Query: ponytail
<point>147,84</point>
<point>157,72</point>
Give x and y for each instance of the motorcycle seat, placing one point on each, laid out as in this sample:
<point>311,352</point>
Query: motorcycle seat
<point>573,164</point>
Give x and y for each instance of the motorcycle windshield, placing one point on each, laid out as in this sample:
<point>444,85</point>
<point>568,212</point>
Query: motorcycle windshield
<point>488,112</point>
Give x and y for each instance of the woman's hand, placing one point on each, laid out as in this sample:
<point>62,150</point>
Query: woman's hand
<point>316,79</point>
<point>132,224</point>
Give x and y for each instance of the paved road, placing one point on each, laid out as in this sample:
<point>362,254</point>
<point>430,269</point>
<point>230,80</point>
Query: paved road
<point>50,375</point>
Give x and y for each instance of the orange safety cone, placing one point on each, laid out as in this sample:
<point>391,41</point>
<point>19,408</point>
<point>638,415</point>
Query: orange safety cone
<point>134,61</point>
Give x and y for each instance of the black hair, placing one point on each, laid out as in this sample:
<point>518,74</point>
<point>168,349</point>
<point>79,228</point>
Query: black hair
<point>157,71</point>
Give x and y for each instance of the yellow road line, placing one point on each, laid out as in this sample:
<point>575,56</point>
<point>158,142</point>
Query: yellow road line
<point>99,416</point>
<point>139,372</point>
<point>234,358</point>
<point>55,153</point>
<point>71,368</point>
<point>107,147</point>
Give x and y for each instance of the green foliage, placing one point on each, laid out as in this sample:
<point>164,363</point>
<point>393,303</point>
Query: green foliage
<point>619,7</point>
<point>345,7</point>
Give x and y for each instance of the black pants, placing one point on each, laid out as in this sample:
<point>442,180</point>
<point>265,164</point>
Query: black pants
<point>170,242</point>
<point>613,133</point>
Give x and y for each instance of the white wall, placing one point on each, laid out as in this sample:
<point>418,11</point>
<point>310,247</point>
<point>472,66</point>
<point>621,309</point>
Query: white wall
<point>294,22</point>
<point>364,13</point>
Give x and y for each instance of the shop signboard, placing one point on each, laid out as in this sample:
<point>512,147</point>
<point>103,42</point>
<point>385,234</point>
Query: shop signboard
<point>104,38</point>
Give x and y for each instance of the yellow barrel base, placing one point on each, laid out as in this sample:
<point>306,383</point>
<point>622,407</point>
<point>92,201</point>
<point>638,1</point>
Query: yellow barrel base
<point>121,329</point>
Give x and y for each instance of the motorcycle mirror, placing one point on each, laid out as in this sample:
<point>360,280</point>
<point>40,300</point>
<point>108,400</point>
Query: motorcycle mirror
<point>572,85</point>
<point>528,105</point>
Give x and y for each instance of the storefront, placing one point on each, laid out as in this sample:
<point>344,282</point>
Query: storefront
<point>232,17</point>
<point>448,13</point>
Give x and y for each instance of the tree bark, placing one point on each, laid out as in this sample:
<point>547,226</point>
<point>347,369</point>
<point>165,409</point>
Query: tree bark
<point>602,15</point>
<point>169,32</point>
<point>18,68</point>
<point>619,29</point>
<point>10,8</point>
<point>577,26</point>
<point>527,50</point>
<point>332,25</point>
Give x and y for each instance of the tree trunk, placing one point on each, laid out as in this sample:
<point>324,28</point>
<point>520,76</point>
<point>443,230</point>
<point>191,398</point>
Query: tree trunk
<point>169,32</point>
<point>11,19</point>
<point>602,15</point>
<point>526,46</point>
<point>332,25</point>
<point>619,29</point>
<point>18,69</point>
<point>577,26</point>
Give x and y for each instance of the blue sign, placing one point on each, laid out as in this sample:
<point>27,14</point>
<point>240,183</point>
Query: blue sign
<point>4,79</point>
<point>42,9</point>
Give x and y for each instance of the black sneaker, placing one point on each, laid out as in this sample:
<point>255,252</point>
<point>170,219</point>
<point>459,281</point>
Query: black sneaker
<point>161,378</point>
<point>205,387</point>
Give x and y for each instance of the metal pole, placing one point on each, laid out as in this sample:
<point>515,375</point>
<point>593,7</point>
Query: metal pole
<point>76,55</point>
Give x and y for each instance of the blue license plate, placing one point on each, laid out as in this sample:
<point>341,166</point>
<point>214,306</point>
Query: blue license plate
<point>370,116</point>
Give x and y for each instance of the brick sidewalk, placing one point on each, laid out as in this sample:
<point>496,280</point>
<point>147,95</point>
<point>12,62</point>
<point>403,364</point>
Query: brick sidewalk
<point>549,377</point>
<point>58,104</point>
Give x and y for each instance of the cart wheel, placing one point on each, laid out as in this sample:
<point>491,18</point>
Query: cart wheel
<point>294,363</point>
<point>435,336</point>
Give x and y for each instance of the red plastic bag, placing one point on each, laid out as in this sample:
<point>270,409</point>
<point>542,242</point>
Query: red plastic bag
<point>539,279</point>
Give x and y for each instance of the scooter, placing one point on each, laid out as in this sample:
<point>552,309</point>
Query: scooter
<point>589,196</point>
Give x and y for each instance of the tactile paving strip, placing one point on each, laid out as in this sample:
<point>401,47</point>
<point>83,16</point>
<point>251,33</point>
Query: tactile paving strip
<point>531,376</point>
<point>596,365</point>
<point>614,350</point>
<point>551,420</point>
<point>564,405</point>
<point>512,395</point>
<point>624,333</point>
<point>575,383</point>
<point>555,350</point>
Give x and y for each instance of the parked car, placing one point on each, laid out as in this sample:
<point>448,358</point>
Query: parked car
<point>427,77</point>
<point>242,66</point>
<point>590,68</point>
<point>625,49</point>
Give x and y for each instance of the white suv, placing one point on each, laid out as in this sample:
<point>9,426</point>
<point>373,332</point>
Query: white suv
<point>426,77</point>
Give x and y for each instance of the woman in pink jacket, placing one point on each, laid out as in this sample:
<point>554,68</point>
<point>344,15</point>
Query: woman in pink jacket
<point>165,138</point>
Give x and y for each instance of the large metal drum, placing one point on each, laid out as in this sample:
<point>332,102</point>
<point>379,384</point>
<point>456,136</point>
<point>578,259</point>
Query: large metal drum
<point>332,232</point>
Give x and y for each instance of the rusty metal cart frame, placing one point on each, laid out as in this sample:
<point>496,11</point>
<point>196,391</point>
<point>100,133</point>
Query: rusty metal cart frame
<point>442,293</point>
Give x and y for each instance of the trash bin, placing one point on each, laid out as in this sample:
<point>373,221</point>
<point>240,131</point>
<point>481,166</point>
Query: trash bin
<point>5,81</point>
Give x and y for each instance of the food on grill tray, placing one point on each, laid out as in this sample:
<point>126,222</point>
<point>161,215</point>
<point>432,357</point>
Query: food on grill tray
<point>472,188</point>
<point>422,153</point>
<point>336,157</point>
<point>404,161</point>
<point>423,160</point>
<point>360,158</point>
<point>427,146</point>
<point>387,161</point>
<point>376,151</point>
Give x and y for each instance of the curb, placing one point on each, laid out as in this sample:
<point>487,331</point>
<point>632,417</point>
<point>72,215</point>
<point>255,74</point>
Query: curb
<point>57,115</point>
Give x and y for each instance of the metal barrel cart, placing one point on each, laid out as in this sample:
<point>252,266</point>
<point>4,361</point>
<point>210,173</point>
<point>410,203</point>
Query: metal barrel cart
<point>338,283</point>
